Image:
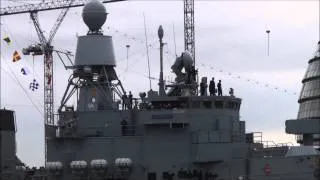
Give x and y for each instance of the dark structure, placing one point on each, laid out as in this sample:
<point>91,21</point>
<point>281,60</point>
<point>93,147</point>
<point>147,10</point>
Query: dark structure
<point>307,124</point>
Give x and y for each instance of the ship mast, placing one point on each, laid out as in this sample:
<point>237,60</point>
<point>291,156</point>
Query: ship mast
<point>161,82</point>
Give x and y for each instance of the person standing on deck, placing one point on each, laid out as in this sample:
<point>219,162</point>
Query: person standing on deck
<point>219,88</point>
<point>130,100</point>
<point>212,88</point>
<point>124,101</point>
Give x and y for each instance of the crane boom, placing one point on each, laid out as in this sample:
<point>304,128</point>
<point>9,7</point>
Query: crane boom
<point>35,20</point>
<point>55,28</point>
<point>44,6</point>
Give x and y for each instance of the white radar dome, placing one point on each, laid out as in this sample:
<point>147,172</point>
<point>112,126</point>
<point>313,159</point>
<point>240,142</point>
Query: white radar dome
<point>94,14</point>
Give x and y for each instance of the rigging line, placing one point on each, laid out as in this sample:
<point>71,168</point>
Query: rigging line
<point>174,40</point>
<point>167,52</point>
<point>21,86</point>
<point>255,82</point>
<point>33,66</point>
<point>145,33</point>
<point>134,63</point>
<point>140,74</point>
<point>137,52</point>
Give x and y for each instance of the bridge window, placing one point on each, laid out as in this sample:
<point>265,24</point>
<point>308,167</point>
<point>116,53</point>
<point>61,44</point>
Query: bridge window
<point>207,104</point>
<point>152,176</point>
<point>218,104</point>
<point>195,104</point>
<point>231,105</point>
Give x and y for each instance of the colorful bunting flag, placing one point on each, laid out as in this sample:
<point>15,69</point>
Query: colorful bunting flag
<point>7,40</point>
<point>16,56</point>
<point>25,71</point>
<point>34,85</point>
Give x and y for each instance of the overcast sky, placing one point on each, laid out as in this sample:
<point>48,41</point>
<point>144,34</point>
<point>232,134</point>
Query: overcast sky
<point>231,45</point>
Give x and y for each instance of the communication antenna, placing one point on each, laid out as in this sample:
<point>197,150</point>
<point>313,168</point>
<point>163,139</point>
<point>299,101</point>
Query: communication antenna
<point>319,21</point>
<point>145,33</point>
<point>268,34</point>
<point>127,46</point>
<point>174,40</point>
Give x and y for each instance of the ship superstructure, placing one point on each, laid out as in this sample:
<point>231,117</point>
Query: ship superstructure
<point>176,134</point>
<point>171,134</point>
<point>307,124</point>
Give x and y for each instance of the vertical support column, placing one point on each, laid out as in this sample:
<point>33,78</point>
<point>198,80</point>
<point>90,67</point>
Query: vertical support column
<point>189,39</point>
<point>48,87</point>
<point>48,94</point>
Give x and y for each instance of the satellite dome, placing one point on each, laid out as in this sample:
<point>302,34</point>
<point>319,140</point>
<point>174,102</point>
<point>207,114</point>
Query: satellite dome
<point>94,15</point>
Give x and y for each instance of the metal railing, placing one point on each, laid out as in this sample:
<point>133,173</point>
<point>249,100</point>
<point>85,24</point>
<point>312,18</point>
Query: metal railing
<point>213,136</point>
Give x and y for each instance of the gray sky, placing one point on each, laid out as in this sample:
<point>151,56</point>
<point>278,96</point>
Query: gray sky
<point>230,37</point>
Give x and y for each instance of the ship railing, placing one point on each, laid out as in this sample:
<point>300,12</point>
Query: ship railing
<point>269,144</point>
<point>215,136</point>
<point>136,103</point>
<point>273,145</point>
<point>238,136</point>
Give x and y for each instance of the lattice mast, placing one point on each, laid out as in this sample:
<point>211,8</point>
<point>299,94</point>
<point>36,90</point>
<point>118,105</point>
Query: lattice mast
<point>189,41</point>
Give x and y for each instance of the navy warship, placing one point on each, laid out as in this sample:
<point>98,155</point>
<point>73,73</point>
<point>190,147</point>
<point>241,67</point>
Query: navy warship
<point>174,133</point>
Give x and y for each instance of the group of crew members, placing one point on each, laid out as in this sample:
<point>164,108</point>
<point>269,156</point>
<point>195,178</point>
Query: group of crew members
<point>212,87</point>
<point>127,101</point>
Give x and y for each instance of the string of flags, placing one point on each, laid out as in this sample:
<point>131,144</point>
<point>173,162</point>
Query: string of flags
<point>248,80</point>
<point>34,85</point>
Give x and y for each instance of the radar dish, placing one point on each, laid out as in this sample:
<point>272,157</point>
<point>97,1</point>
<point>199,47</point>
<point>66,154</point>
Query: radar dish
<point>94,15</point>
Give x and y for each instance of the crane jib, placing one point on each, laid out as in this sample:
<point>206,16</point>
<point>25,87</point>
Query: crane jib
<point>52,5</point>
